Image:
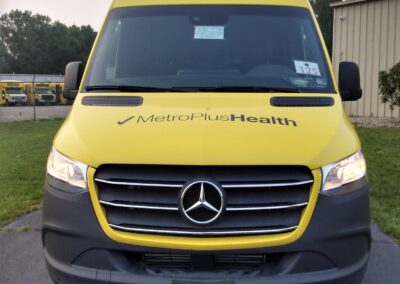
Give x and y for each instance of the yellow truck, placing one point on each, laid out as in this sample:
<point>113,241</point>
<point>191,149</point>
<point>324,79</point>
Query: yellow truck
<point>208,144</point>
<point>12,93</point>
<point>28,88</point>
<point>43,95</point>
<point>57,89</point>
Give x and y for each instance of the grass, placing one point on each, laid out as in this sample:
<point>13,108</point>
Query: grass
<point>24,147</point>
<point>381,147</point>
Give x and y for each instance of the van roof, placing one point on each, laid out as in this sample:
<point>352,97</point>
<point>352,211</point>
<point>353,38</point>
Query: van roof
<point>10,81</point>
<point>129,3</point>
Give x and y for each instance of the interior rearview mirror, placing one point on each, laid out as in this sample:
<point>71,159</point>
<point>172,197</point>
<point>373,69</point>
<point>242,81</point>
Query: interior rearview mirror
<point>73,77</point>
<point>349,81</point>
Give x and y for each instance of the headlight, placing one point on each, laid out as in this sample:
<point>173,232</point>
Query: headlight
<point>344,171</point>
<point>67,170</point>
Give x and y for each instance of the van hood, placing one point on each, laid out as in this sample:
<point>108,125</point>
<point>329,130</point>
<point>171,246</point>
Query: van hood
<point>17,96</point>
<point>205,129</point>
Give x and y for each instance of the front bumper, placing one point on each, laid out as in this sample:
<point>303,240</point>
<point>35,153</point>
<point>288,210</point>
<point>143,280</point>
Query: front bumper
<point>334,248</point>
<point>46,100</point>
<point>18,100</point>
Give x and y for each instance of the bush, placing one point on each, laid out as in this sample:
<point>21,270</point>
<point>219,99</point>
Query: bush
<point>389,85</point>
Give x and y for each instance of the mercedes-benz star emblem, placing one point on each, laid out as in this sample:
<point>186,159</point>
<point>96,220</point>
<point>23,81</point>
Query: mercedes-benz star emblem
<point>202,202</point>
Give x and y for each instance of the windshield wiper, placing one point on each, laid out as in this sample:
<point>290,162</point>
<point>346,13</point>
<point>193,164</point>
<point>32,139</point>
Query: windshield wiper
<point>233,89</point>
<point>240,89</point>
<point>126,88</point>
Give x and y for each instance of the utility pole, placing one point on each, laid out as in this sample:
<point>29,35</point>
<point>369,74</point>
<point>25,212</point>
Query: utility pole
<point>34,100</point>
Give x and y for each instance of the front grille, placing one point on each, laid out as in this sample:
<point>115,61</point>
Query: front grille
<point>259,200</point>
<point>48,98</point>
<point>19,99</point>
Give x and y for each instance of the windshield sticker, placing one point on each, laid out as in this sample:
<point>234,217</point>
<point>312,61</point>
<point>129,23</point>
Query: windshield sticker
<point>307,68</point>
<point>209,32</point>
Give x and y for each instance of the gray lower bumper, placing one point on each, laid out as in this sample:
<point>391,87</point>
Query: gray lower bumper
<point>334,249</point>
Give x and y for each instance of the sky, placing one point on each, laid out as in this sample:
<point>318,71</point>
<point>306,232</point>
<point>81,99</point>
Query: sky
<point>69,12</point>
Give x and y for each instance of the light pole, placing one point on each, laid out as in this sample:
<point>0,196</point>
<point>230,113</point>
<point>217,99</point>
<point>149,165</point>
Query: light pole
<point>34,99</point>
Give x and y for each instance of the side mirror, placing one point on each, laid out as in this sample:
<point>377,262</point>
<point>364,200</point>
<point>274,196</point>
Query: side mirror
<point>349,81</point>
<point>73,77</point>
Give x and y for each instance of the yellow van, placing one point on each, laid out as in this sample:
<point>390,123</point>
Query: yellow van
<point>29,91</point>
<point>207,144</point>
<point>12,93</point>
<point>57,89</point>
<point>43,94</point>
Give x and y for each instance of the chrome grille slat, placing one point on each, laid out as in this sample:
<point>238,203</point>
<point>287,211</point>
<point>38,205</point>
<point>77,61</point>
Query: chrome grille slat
<point>229,209</point>
<point>139,184</point>
<point>266,208</point>
<point>266,185</point>
<point>226,186</point>
<point>145,207</point>
<point>203,233</point>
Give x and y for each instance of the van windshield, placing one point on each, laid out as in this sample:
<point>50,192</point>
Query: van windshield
<point>14,91</point>
<point>43,91</point>
<point>210,47</point>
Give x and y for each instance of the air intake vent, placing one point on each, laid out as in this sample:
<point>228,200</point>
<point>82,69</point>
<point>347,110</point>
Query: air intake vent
<point>302,101</point>
<point>218,261</point>
<point>112,101</point>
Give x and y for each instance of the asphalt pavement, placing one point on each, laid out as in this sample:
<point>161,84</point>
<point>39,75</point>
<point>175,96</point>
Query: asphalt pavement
<point>21,257</point>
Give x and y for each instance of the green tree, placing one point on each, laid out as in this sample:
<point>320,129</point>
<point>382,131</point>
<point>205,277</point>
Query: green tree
<point>24,35</point>
<point>35,44</point>
<point>4,57</point>
<point>80,41</point>
<point>324,14</point>
<point>389,85</point>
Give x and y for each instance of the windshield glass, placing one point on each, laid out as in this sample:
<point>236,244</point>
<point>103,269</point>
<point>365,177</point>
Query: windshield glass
<point>210,46</point>
<point>43,91</point>
<point>14,91</point>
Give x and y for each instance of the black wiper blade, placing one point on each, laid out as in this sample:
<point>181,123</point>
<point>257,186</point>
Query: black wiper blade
<point>239,89</point>
<point>256,89</point>
<point>234,89</point>
<point>127,88</point>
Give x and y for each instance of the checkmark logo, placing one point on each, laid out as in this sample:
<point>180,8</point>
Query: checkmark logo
<point>122,122</point>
